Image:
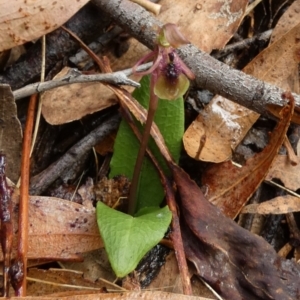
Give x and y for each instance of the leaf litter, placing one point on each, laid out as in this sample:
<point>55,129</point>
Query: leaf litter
<point>230,193</point>
<point>276,64</point>
<point>211,245</point>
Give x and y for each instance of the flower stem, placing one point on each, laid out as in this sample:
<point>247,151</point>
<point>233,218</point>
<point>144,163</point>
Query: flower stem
<point>140,157</point>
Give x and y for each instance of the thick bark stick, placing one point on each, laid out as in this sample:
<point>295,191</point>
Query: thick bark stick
<point>210,73</point>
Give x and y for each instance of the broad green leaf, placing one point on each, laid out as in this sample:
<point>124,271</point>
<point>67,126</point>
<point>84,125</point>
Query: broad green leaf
<point>169,118</point>
<point>127,239</point>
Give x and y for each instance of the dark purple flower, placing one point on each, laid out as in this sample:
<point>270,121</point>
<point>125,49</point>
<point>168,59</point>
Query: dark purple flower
<point>170,76</point>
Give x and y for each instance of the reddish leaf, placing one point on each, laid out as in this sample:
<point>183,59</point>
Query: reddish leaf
<point>235,262</point>
<point>230,187</point>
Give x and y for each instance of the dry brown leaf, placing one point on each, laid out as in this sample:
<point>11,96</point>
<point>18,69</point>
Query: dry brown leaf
<point>10,133</point>
<point>224,127</point>
<point>282,169</point>
<point>58,229</point>
<point>208,25</point>
<point>224,124</point>
<point>23,21</point>
<point>279,205</point>
<point>89,97</point>
<point>223,252</point>
<point>230,187</point>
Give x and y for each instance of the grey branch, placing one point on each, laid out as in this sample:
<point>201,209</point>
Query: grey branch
<point>74,76</point>
<point>210,73</point>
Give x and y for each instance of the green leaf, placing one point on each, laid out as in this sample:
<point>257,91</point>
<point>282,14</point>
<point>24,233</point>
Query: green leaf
<point>169,118</point>
<point>127,239</point>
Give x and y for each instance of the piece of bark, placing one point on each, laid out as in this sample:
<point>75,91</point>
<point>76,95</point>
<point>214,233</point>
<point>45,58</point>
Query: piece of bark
<point>210,74</point>
<point>88,23</point>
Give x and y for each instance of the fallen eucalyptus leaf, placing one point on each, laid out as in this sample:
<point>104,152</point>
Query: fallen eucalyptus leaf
<point>58,229</point>
<point>279,205</point>
<point>96,97</point>
<point>283,170</point>
<point>23,21</point>
<point>234,262</point>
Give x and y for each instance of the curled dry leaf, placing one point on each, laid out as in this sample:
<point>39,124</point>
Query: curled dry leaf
<point>223,121</point>
<point>58,229</point>
<point>279,205</point>
<point>23,21</point>
<point>229,258</point>
<point>188,15</point>
<point>283,170</point>
<point>230,187</point>
<point>10,133</point>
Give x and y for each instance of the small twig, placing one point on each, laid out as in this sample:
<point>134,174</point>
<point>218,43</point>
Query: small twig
<point>6,231</point>
<point>21,261</point>
<point>293,158</point>
<point>264,36</point>
<point>97,59</point>
<point>96,46</point>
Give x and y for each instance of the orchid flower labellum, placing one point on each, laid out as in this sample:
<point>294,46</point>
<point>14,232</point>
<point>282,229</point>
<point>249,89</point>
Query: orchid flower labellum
<point>170,76</point>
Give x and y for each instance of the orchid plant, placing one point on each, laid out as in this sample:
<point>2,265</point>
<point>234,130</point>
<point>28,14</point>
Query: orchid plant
<point>128,237</point>
<point>170,79</point>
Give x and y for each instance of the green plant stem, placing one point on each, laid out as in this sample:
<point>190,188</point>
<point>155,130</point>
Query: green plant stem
<point>140,157</point>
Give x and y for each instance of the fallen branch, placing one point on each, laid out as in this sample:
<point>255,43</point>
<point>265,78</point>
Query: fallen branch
<point>75,76</point>
<point>210,73</point>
